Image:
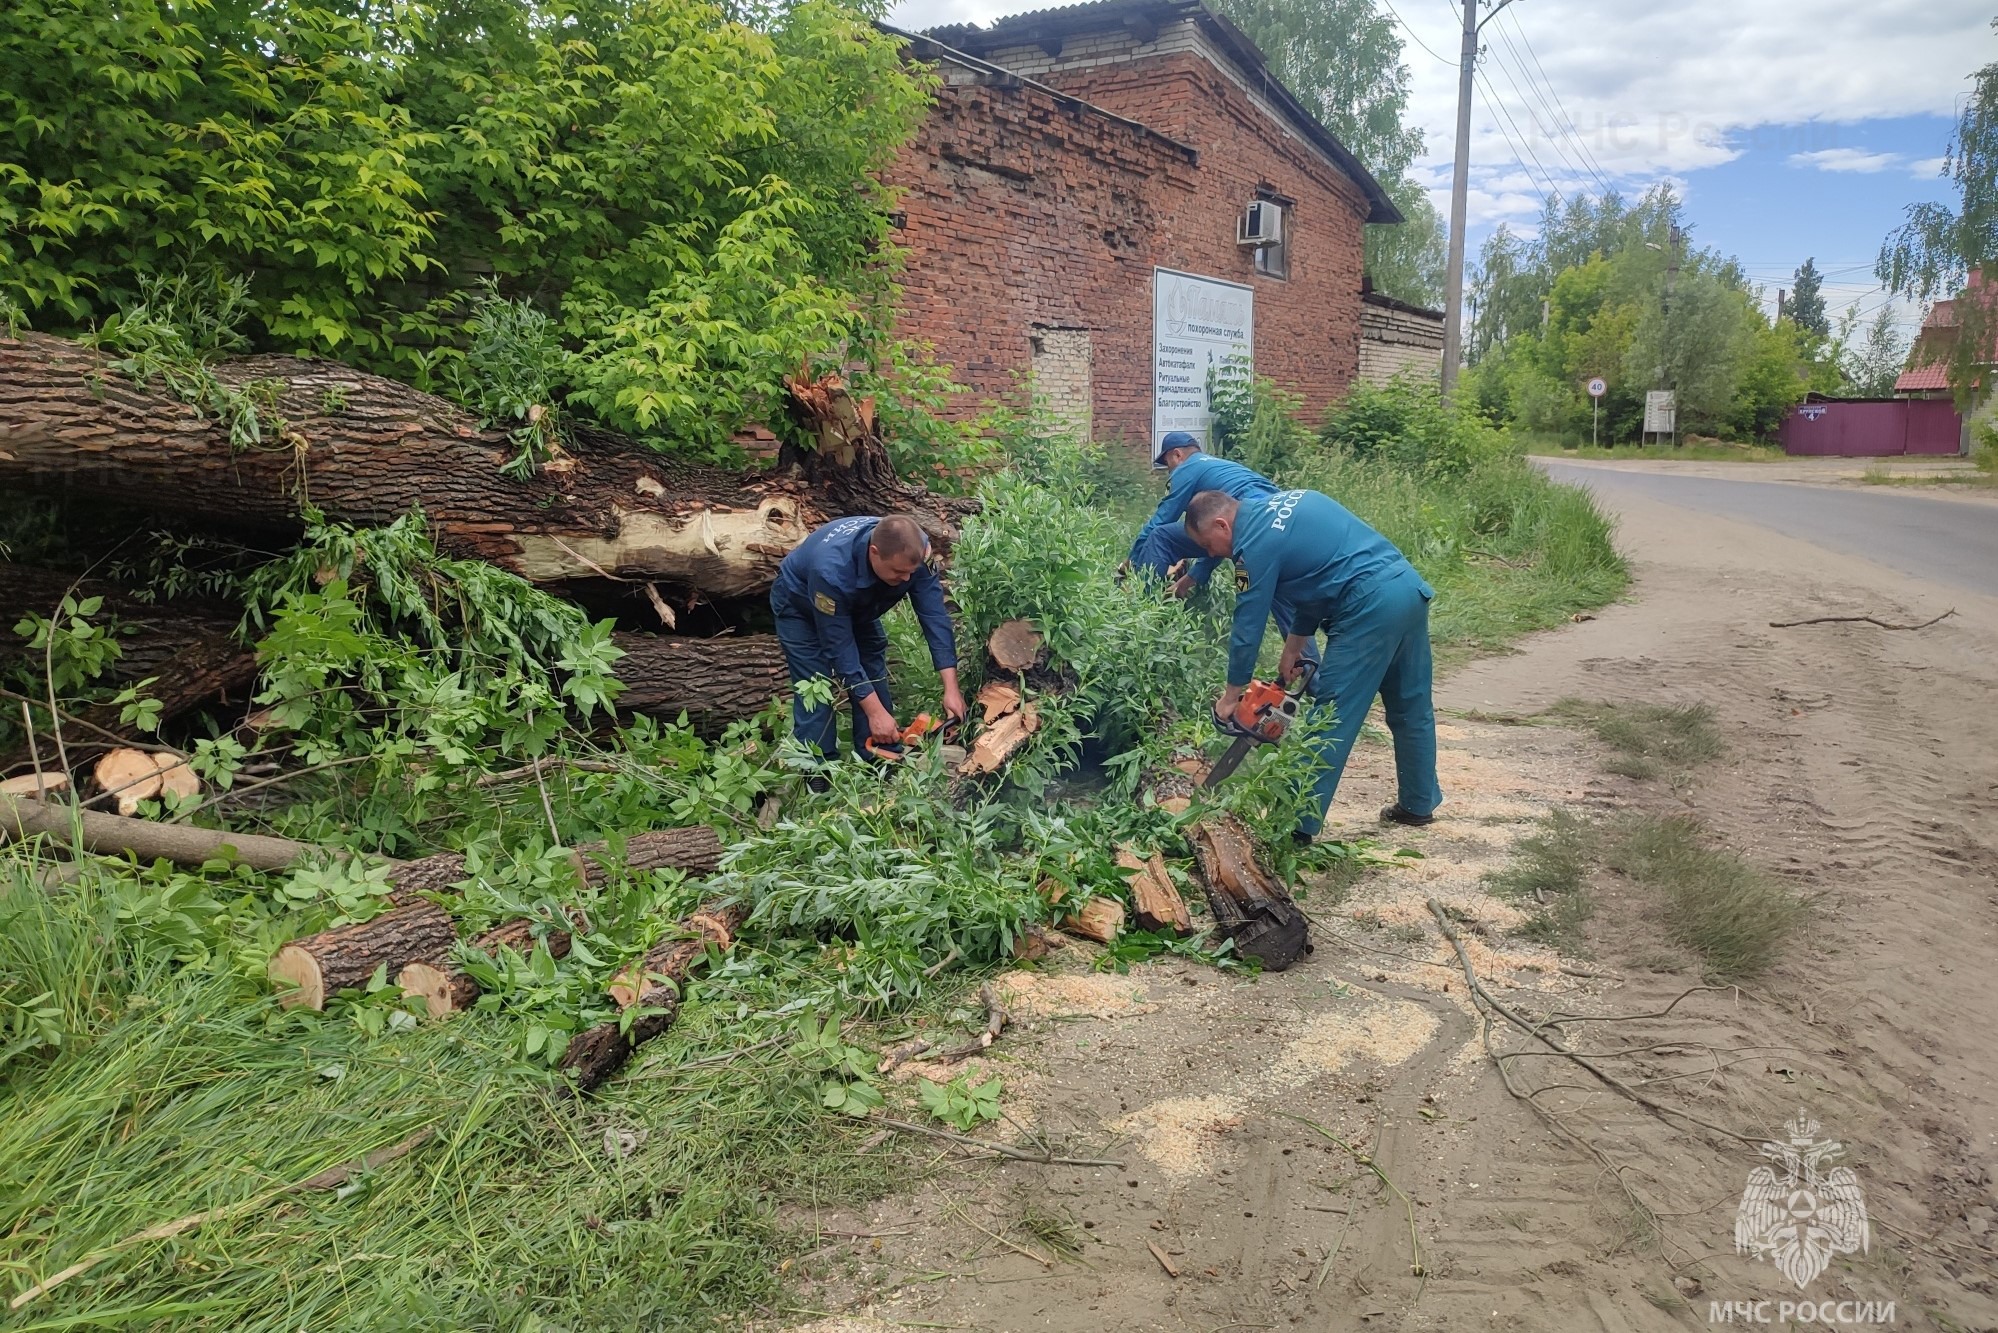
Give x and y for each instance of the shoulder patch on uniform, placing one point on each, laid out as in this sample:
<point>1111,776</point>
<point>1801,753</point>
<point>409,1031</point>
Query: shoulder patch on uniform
<point>1241,580</point>
<point>825,603</point>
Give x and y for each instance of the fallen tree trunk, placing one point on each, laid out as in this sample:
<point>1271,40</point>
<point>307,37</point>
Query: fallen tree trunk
<point>187,647</point>
<point>1251,908</point>
<point>696,850</point>
<point>321,966</point>
<point>365,450</point>
<point>713,681</point>
<point>654,985</point>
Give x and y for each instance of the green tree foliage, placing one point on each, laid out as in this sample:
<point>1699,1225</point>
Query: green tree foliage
<point>685,188</point>
<point>1934,252</point>
<point>1342,58</point>
<point>1807,300</point>
<point>1611,289</point>
<point>1874,365</point>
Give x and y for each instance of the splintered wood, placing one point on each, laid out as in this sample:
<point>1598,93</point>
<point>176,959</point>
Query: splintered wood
<point>654,986</point>
<point>1247,902</point>
<point>1000,741</point>
<point>1155,902</point>
<point>997,698</point>
<point>1099,919</point>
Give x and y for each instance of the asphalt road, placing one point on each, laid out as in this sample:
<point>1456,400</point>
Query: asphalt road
<point>1952,542</point>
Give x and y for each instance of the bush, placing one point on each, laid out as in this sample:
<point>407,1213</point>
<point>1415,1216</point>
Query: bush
<point>1407,424</point>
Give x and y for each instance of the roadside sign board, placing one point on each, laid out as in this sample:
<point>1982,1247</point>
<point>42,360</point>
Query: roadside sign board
<point>1203,335</point>
<point>1598,387</point>
<point>1661,412</point>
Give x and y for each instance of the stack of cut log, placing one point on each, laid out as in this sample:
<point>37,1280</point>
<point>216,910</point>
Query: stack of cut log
<point>416,940</point>
<point>610,524</point>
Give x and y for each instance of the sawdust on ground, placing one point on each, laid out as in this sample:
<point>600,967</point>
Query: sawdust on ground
<point>1045,995</point>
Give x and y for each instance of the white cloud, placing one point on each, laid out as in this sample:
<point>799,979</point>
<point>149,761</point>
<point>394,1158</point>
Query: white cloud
<point>1663,89</point>
<point>1845,159</point>
<point>1928,168</point>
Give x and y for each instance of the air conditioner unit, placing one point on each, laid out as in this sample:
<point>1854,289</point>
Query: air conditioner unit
<point>1261,224</point>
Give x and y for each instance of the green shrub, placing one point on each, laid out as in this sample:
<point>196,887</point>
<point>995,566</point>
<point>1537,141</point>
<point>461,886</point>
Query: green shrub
<point>1407,424</point>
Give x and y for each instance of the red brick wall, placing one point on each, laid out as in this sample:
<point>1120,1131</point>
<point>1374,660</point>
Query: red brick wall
<point>1024,210</point>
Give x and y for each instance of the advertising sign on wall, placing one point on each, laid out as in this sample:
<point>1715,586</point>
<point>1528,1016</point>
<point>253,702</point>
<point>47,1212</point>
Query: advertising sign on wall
<point>1203,334</point>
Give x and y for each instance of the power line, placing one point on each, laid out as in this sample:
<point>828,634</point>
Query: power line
<point>1522,153</point>
<point>1412,35</point>
<point>1534,116</point>
<point>1520,28</point>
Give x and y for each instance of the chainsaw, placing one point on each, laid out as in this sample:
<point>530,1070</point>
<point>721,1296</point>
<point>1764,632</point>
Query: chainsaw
<point>945,730</point>
<point>1264,714</point>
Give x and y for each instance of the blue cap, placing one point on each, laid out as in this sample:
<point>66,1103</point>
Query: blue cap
<point>1178,439</point>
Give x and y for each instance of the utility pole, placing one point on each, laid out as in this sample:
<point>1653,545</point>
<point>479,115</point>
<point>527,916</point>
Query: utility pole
<point>1460,199</point>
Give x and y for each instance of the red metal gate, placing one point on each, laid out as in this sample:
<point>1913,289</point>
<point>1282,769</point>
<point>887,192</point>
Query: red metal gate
<point>1873,427</point>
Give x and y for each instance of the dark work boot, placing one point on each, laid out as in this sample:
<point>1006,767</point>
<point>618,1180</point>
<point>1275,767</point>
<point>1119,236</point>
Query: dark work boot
<point>1394,814</point>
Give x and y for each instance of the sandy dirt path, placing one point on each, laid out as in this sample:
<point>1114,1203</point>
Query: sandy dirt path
<point>1862,767</point>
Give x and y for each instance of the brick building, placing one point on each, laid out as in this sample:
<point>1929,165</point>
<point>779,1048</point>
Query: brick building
<point>1073,210</point>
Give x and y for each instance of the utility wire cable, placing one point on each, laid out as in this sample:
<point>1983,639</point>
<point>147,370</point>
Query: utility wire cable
<point>1412,34</point>
<point>1526,105</point>
<point>1522,152</point>
<point>1586,167</point>
<point>1574,129</point>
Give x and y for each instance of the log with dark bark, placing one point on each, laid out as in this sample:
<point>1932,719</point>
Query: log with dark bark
<point>115,835</point>
<point>713,681</point>
<point>310,971</point>
<point>696,850</point>
<point>595,1055</point>
<point>1248,903</point>
<point>186,647</point>
<point>365,450</point>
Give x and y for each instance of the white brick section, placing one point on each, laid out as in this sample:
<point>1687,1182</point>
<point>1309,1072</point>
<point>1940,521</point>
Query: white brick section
<point>1063,362</point>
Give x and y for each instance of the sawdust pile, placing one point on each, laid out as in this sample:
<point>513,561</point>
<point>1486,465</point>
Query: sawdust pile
<point>1030,995</point>
<point>1182,1134</point>
<point>1385,1032</point>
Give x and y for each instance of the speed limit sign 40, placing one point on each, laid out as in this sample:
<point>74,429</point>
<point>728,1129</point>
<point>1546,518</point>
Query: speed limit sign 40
<point>1598,387</point>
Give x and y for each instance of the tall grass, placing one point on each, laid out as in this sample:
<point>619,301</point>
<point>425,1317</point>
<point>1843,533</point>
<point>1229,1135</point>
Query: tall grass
<point>171,1092</point>
<point>1507,550</point>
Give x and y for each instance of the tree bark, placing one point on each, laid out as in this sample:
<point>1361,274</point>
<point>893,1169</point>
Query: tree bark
<point>695,849</point>
<point>595,1055</point>
<point>365,450</point>
<point>320,966</point>
<point>115,835</point>
<point>713,681</point>
<point>187,646</point>
<point>1251,908</point>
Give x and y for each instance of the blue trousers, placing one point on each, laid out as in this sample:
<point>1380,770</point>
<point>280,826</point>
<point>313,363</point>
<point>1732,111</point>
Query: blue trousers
<point>1380,646</point>
<point>806,657</point>
<point>1169,545</point>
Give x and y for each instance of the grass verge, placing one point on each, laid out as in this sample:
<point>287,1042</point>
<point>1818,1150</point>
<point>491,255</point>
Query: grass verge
<point>1648,739</point>
<point>1507,550</point>
<point>1713,904</point>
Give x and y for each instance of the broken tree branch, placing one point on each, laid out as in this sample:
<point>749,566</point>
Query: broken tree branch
<point>1857,620</point>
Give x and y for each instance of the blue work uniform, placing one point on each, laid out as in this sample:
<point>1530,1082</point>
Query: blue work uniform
<point>829,605</point>
<point>1347,579</point>
<point>1163,542</point>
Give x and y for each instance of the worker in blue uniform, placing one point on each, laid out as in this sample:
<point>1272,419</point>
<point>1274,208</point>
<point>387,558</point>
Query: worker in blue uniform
<point>1163,542</point>
<point>1347,579</point>
<point>830,595</point>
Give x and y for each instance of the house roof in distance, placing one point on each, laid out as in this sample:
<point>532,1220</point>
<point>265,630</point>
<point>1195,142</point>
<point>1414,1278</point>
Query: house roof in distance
<point>1141,16</point>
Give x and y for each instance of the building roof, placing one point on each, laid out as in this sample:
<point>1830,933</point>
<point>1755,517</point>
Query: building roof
<point>1386,302</point>
<point>1141,16</point>
<point>1923,379</point>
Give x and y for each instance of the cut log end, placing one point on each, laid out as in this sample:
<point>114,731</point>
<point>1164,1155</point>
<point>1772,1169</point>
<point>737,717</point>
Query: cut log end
<point>35,784</point>
<point>128,777</point>
<point>1016,645</point>
<point>1101,919</point>
<point>443,991</point>
<point>295,973</point>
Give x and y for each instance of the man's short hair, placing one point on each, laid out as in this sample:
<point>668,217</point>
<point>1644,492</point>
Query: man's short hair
<point>1208,506</point>
<point>898,537</point>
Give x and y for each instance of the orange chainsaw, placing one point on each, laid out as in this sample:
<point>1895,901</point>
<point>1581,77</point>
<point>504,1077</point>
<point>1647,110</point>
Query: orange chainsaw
<point>1264,714</point>
<point>944,729</point>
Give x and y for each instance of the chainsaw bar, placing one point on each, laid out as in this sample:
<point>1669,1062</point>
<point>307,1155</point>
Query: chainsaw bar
<point>1230,760</point>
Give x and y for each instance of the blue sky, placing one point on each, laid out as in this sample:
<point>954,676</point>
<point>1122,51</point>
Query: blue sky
<point>1792,129</point>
